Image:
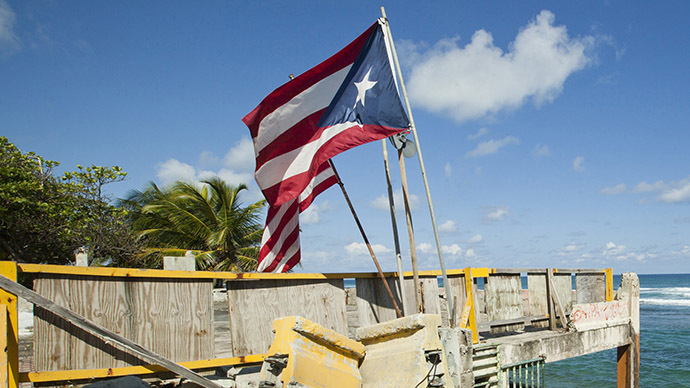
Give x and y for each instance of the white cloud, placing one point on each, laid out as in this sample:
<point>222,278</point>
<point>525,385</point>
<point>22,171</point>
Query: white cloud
<point>644,187</point>
<point>570,249</point>
<point>492,146</point>
<point>241,156</point>
<point>476,239</point>
<point>497,213</point>
<point>237,168</point>
<point>173,170</point>
<point>614,190</point>
<point>541,150</point>
<point>672,192</point>
<point>612,249</point>
<point>208,159</point>
<point>449,170</point>
<point>359,249</point>
<point>235,178</point>
<point>453,250</point>
<point>481,79</point>
<point>679,193</point>
<point>470,254</point>
<point>313,213</point>
<point>425,248</point>
<point>8,36</point>
<point>619,253</point>
<point>573,248</point>
<point>481,132</point>
<point>448,226</point>
<point>381,202</point>
<point>578,163</point>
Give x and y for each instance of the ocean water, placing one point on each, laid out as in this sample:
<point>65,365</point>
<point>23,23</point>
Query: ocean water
<point>664,342</point>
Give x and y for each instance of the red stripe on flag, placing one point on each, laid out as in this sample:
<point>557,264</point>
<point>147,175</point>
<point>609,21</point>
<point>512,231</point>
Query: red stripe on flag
<point>281,234</point>
<point>298,135</point>
<point>293,87</point>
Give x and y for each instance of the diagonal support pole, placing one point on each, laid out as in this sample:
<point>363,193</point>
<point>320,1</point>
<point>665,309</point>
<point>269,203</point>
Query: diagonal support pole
<point>366,241</point>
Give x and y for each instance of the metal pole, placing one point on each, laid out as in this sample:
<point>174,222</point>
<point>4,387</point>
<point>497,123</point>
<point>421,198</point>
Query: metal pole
<point>396,239</point>
<point>421,165</point>
<point>366,241</point>
<point>419,302</point>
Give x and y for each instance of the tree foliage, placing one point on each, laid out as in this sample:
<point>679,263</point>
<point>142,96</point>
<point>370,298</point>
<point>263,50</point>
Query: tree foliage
<point>208,220</point>
<point>44,219</point>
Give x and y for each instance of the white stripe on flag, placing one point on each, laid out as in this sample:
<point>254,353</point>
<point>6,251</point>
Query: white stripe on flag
<point>282,234</point>
<point>322,176</point>
<point>298,160</point>
<point>311,100</point>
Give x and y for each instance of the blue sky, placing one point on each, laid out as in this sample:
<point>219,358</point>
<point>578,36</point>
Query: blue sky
<point>553,133</point>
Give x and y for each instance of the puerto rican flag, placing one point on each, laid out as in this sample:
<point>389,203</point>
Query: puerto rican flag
<point>348,100</point>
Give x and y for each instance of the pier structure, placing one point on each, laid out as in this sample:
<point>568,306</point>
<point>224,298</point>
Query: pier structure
<point>508,324</point>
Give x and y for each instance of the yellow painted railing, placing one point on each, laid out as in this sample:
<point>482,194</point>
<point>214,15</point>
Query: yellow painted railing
<point>10,376</point>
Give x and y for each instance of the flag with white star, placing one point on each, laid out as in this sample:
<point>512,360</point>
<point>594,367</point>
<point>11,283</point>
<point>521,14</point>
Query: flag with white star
<point>368,97</point>
<point>345,101</point>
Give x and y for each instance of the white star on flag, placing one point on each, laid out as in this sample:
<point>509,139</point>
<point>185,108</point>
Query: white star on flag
<point>362,88</point>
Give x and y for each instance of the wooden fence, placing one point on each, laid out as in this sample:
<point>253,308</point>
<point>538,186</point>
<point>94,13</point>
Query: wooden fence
<point>171,312</point>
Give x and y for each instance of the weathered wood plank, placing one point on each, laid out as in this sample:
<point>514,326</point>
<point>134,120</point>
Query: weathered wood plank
<point>51,333</point>
<point>373,304</point>
<point>591,288</point>
<point>253,305</point>
<point>456,286</point>
<point>536,284</point>
<point>172,317</point>
<point>103,302</point>
<point>504,301</point>
<point>97,330</point>
<point>182,309</point>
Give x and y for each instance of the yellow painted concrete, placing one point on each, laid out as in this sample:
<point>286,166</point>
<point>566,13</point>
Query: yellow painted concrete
<point>396,352</point>
<point>317,357</point>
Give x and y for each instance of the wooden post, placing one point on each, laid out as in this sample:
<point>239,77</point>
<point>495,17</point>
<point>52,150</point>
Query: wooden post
<point>11,333</point>
<point>469,313</point>
<point>628,360</point>
<point>608,273</point>
<point>556,300</point>
<point>366,241</point>
<point>396,239</point>
<point>3,346</point>
<point>419,302</point>
<point>549,299</point>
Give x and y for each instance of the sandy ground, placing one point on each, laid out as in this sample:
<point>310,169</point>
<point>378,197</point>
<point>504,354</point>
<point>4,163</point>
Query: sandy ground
<point>220,318</point>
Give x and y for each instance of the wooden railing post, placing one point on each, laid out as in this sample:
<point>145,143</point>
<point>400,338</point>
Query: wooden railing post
<point>8,302</point>
<point>469,313</point>
<point>549,299</point>
<point>609,284</point>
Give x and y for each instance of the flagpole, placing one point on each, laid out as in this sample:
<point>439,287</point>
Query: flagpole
<point>366,240</point>
<point>419,301</point>
<point>421,164</point>
<point>396,239</point>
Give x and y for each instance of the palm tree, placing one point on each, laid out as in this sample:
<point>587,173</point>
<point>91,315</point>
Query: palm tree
<point>208,220</point>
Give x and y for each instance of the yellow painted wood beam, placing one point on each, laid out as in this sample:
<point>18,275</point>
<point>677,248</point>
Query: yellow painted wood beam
<point>609,284</point>
<point>88,374</point>
<point>11,323</point>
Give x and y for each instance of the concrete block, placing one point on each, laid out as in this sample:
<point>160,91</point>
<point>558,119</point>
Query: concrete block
<point>180,263</point>
<point>457,351</point>
<point>305,354</point>
<point>403,352</point>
